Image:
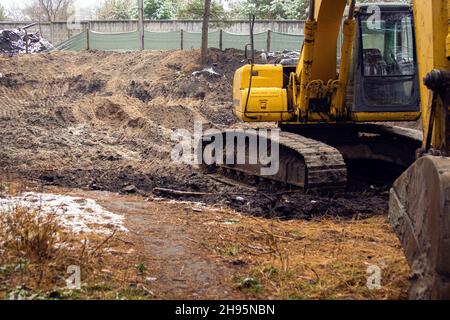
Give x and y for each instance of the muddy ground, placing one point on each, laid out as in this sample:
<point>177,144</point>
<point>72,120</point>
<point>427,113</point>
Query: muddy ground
<point>89,122</point>
<point>212,252</point>
<point>104,121</point>
<point>166,249</point>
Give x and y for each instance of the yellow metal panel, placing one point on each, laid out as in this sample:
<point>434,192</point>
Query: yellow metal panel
<point>265,104</point>
<point>316,118</point>
<point>263,117</point>
<point>328,14</point>
<point>431,24</point>
<point>384,116</point>
<point>265,75</point>
<point>349,29</point>
<point>265,100</point>
<point>268,100</point>
<point>319,55</point>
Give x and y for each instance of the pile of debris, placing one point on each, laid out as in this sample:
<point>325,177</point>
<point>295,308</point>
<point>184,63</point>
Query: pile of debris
<point>14,41</point>
<point>284,57</point>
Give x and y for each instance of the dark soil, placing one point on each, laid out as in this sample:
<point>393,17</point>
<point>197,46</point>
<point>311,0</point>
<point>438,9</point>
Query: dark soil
<point>103,121</point>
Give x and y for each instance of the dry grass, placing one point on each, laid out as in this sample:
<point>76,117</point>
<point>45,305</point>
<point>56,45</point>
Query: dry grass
<point>27,233</point>
<point>326,259</point>
<point>255,258</point>
<point>35,253</point>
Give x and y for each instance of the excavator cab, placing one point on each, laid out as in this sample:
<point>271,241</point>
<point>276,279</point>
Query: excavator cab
<point>385,75</point>
<point>377,78</point>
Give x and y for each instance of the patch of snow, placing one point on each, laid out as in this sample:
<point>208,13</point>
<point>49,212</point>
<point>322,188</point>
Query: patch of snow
<point>209,71</point>
<point>77,214</point>
<point>285,57</point>
<point>193,204</point>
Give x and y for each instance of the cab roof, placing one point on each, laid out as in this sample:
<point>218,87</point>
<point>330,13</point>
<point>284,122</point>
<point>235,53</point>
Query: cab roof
<point>385,6</point>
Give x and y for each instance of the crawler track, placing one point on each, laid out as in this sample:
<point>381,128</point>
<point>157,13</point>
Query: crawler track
<point>303,162</point>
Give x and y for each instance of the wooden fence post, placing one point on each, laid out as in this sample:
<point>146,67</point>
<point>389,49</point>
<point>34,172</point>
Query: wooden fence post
<point>269,40</point>
<point>88,40</point>
<point>52,33</point>
<point>141,25</point>
<point>182,39</point>
<point>26,41</point>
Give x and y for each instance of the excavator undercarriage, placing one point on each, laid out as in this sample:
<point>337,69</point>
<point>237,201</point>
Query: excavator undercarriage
<point>316,157</point>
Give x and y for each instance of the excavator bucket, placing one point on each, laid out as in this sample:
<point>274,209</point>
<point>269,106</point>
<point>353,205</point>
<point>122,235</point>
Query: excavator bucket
<point>419,211</point>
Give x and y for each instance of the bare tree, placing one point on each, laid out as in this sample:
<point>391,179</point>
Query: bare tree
<point>205,29</point>
<point>48,10</point>
<point>15,13</point>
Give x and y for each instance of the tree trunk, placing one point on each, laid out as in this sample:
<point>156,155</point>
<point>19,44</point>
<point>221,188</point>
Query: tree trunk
<point>205,29</point>
<point>141,23</point>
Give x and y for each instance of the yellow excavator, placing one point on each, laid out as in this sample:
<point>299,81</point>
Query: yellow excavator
<point>336,107</point>
<point>327,104</point>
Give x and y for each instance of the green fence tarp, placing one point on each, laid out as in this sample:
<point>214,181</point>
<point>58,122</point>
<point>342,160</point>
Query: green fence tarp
<point>75,43</point>
<point>193,40</point>
<point>123,41</point>
<point>284,41</point>
<point>162,40</point>
<point>129,41</point>
<point>239,41</point>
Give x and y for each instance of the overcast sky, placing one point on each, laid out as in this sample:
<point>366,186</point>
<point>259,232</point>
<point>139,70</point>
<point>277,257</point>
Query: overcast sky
<point>81,4</point>
<point>11,4</point>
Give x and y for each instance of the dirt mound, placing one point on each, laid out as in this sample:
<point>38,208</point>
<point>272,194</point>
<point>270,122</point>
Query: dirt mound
<point>104,121</point>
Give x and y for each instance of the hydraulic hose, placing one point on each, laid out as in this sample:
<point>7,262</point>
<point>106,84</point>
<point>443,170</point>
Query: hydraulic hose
<point>252,65</point>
